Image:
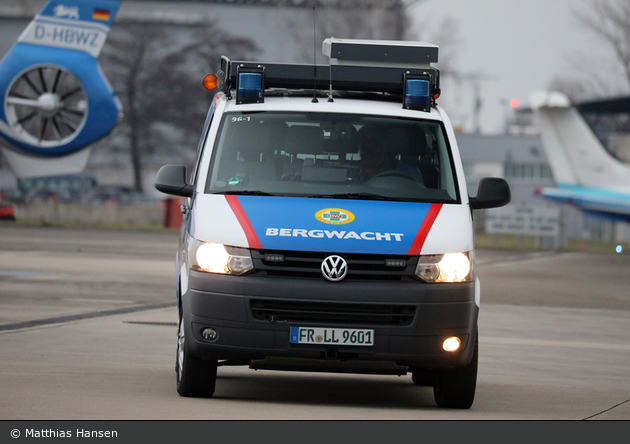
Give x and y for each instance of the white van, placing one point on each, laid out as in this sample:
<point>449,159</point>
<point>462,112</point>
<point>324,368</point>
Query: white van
<point>327,225</point>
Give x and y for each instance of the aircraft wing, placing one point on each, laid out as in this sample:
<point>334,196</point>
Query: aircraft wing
<point>593,201</point>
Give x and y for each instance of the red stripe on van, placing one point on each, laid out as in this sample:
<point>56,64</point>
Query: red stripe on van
<point>423,231</point>
<point>246,225</point>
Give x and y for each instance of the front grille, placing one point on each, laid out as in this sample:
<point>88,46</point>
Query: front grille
<point>306,264</point>
<point>332,313</point>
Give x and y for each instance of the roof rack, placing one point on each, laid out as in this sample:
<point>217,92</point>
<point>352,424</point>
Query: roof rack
<point>343,78</point>
<point>355,65</point>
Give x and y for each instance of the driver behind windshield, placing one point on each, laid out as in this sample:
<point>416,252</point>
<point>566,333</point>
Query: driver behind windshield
<point>376,158</point>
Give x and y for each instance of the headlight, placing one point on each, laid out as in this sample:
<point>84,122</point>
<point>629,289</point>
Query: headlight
<point>449,267</point>
<point>217,258</point>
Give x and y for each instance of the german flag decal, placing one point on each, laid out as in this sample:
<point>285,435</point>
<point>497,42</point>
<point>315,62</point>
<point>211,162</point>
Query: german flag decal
<point>101,14</point>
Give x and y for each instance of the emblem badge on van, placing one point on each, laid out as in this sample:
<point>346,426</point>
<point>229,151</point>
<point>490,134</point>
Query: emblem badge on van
<point>334,216</point>
<point>334,268</point>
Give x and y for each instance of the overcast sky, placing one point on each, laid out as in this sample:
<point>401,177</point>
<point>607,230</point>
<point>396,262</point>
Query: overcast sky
<point>520,44</point>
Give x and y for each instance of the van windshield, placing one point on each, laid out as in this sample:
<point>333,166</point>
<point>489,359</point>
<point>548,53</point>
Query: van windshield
<point>333,156</point>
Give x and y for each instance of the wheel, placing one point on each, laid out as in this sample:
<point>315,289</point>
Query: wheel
<point>47,105</point>
<point>456,388</point>
<point>196,377</point>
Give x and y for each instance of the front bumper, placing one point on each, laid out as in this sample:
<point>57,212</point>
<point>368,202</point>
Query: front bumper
<point>225,303</point>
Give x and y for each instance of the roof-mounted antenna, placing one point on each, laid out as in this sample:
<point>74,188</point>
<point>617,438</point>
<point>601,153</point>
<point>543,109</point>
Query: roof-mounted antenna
<point>314,62</point>
<point>330,98</point>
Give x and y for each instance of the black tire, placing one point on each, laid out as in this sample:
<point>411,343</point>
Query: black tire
<point>456,388</point>
<point>196,377</point>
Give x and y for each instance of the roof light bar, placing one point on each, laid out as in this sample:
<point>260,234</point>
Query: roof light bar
<point>250,85</point>
<point>389,67</point>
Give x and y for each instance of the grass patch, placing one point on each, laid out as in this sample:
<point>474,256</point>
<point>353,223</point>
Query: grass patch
<point>512,242</point>
<point>86,225</point>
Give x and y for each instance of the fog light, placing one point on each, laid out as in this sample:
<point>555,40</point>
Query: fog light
<point>451,344</point>
<point>209,334</point>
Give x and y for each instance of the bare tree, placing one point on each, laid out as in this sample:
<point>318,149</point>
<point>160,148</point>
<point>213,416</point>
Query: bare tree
<point>577,89</point>
<point>157,72</point>
<point>609,21</point>
<point>350,19</point>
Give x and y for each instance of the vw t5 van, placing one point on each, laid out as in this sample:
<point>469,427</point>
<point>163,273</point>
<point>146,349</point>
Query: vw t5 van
<point>327,225</point>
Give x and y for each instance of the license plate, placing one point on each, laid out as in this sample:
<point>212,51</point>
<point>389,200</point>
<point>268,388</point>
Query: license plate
<point>332,336</point>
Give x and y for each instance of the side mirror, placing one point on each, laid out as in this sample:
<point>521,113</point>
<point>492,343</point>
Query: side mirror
<point>493,192</point>
<point>171,179</point>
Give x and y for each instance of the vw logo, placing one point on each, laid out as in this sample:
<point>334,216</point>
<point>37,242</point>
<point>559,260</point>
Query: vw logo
<point>334,268</point>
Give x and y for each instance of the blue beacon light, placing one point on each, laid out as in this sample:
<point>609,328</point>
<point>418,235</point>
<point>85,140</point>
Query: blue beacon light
<point>250,87</point>
<point>417,94</point>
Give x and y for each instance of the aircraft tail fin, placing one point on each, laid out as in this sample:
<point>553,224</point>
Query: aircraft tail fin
<point>575,154</point>
<point>57,100</point>
<point>80,25</point>
<point>24,167</point>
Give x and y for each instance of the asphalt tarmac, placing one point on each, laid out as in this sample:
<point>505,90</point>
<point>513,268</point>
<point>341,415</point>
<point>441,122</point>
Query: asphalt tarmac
<point>88,327</point>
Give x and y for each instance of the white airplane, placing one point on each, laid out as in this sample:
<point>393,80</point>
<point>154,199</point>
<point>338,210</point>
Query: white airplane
<point>586,174</point>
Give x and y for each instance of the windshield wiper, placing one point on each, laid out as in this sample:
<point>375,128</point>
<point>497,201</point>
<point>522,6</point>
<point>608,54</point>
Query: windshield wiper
<point>370,196</point>
<point>245,192</point>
